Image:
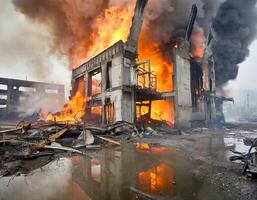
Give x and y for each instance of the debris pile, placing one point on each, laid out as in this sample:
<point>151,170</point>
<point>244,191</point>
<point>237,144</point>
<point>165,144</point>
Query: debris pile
<point>43,141</point>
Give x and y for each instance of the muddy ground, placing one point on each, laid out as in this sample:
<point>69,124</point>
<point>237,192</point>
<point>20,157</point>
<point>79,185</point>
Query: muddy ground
<point>192,165</point>
<point>209,151</point>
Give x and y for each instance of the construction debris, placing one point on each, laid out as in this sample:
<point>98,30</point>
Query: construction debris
<point>52,138</point>
<point>10,130</point>
<point>108,140</point>
<point>49,141</point>
<point>84,139</point>
<point>58,146</point>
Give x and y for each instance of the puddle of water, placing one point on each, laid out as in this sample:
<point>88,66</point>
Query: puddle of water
<point>236,144</point>
<point>155,170</point>
<point>219,147</point>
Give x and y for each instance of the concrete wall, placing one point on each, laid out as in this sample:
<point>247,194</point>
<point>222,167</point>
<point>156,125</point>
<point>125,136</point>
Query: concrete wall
<point>127,107</point>
<point>120,92</point>
<point>182,83</point>
<point>117,69</point>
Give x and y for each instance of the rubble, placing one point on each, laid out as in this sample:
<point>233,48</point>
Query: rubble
<point>84,139</point>
<point>51,140</point>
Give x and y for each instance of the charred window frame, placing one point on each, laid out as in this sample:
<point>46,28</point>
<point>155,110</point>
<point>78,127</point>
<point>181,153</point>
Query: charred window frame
<point>109,75</point>
<point>95,82</point>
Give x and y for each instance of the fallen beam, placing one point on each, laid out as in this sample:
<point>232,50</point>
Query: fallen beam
<point>14,142</point>
<point>63,148</point>
<point>52,138</point>
<point>10,130</point>
<point>108,140</point>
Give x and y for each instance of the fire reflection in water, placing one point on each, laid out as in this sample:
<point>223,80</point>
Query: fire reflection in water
<point>157,179</point>
<point>148,148</point>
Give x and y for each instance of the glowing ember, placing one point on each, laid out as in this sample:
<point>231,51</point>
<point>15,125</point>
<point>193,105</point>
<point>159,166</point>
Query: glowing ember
<point>96,110</point>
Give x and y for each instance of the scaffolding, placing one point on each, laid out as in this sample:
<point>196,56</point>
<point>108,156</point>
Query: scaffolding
<point>146,85</point>
<point>146,79</point>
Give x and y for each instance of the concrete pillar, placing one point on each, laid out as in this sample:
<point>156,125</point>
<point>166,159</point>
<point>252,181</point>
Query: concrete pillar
<point>182,84</point>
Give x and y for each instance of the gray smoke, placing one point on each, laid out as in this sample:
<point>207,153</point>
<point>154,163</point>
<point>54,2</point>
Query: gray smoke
<point>25,50</point>
<point>71,23</point>
<point>168,19</point>
<point>235,29</point>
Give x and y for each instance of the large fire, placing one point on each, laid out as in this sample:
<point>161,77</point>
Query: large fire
<point>111,26</point>
<point>73,110</point>
<point>163,109</point>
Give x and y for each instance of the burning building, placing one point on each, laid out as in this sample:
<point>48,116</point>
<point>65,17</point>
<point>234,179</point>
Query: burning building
<point>166,73</point>
<point>119,86</point>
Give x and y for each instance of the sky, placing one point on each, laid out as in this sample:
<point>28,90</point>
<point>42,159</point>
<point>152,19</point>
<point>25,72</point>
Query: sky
<point>25,53</point>
<point>247,77</point>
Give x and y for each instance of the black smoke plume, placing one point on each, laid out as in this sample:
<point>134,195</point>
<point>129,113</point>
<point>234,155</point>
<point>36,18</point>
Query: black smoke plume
<point>235,29</point>
<point>166,22</point>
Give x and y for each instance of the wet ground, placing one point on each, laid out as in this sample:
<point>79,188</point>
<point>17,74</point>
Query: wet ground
<point>190,166</point>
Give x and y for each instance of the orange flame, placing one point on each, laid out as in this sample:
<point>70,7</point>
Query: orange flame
<point>148,148</point>
<point>163,110</point>
<point>96,87</point>
<point>96,110</point>
<point>74,110</point>
<point>198,41</point>
<point>163,68</point>
<point>111,26</point>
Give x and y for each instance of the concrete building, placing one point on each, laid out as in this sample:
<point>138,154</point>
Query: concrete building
<point>116,84</point>
<point>14,94</point>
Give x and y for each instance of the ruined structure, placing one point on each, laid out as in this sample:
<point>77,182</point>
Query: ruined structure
<point>116,85</point>
<point>14,93</point>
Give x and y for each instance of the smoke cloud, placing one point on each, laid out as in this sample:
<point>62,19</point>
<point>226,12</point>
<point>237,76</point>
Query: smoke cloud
<point>168,19</point>
<point>25,50</point>
<point>71,23</point>
<point>235,29</point>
